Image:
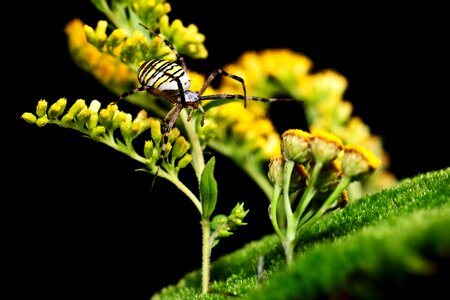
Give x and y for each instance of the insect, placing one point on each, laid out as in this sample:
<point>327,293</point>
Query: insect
<point>170,81</point>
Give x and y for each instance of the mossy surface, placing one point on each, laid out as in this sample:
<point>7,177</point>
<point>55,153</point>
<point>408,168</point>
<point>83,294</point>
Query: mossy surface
<point>395,242</point>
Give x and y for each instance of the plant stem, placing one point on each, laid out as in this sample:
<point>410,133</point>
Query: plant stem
<point>288,242</point>
<point>198,160</point>
<point>206,254</point>
<point>345,181</point>
<point>309,192</point>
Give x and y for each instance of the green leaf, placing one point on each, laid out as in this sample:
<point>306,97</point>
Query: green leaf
<point>208,189</point>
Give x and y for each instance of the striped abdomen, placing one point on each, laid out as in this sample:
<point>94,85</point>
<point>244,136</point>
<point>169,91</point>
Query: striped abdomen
<point>163,75</point>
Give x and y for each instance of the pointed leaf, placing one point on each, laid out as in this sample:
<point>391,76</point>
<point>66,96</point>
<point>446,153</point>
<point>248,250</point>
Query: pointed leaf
<point>208,189</point>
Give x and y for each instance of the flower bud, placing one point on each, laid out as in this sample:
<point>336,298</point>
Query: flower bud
<point>184,161</point>
<point>42,121</point>
<point>79,105</point>
<point>98,131</point>
<point>57,108</point>
<point>276,170</point>
<point>358,162</point>
<point>180,147</point>
<point>83,116</point>
<point>41,108</point>
<point>67,119</point>
<point>29,118</point>
<point>295,145</point>
<point>155,128</point>
<point>325,146</point>
<point>329,177</point>
<point>148,149</point>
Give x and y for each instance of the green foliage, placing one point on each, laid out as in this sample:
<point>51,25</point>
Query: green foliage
<point>396,239</point>
<point>208,189</point>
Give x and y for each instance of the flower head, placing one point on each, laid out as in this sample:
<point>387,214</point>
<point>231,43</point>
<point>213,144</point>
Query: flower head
<point>296,145</point>
<point>325,146</point>
<point>358,162</point>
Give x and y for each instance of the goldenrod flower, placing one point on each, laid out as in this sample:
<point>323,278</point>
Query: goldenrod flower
<point>325,146</point>
<point>296,145</point>
<point>29,118</point>
<point>109,71</point>
<point>324,85</point>
<point>261,69</point>
<point>250,132</point>
<point>358,162</point>
<point>41,108</point>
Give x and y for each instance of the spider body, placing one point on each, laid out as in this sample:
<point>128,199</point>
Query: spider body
<point>170,81</point>
<point>160,74</point>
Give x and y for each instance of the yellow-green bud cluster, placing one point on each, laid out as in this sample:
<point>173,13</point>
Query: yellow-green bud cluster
<point>131,43</point>
<point>102,124</point>
<point>222,225</point>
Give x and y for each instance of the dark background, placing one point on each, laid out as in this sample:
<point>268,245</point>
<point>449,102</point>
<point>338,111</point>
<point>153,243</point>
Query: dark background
<point>79,221</point>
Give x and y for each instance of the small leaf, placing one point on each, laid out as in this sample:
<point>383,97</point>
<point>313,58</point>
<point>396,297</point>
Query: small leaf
<point>208,189</point>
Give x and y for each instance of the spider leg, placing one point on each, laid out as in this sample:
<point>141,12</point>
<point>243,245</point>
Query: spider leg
<point>173,115</point>
<point>179,57</point>
<point>131,92</point>
<point>224,73</point>
<point>242,97</point>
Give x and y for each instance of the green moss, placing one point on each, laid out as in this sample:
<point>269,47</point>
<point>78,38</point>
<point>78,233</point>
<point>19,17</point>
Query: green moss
<point>394,241</point>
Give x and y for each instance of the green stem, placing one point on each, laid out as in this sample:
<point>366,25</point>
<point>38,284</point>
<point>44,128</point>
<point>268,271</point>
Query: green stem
<point>309,192</point>
<point>345,181</point>
<point>161,173</point>
<point>288,242</point>
<point>273,211</point>
<point>198,160</point>
<point>206,255</point>
<point>288,168</point>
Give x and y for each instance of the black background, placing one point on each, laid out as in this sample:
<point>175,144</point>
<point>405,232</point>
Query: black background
<point>79,221</point>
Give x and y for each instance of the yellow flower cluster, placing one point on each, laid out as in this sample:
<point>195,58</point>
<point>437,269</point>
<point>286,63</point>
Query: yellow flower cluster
<point>246,130</point>
<point>275,72</point>
<point>101,123</point>
<point>268,71</point>
<point>110,72</point>
<point>310,180</point>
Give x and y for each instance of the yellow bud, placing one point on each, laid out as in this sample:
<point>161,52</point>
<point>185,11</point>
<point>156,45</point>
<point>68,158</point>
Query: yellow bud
<point>83,116</point>
<point>358,162</point>
<point>155,128</point>
<point>41,108</point>
<point>57,108</point>
<point>77,107</point>
<point>67,119</point>
<point>148,149</point>
<point>29,118</point>
<point>173,135</point>
<point>98,131</point>
<point>184,161</point>
<point>180,147</point>
<point>42,121</point>
<point>295,145</point>
<point>325,146</point>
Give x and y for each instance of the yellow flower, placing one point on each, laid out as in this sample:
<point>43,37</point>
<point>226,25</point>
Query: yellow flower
<point>358,162</point>
<point>325,146</point>
<point>258,68</point>
<point>296,145</point>
<point>106,69</point>
<point>325,85</point>
<point>241,128</point>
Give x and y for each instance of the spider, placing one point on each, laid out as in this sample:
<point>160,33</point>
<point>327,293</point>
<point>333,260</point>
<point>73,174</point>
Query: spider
<point>170,81</point>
